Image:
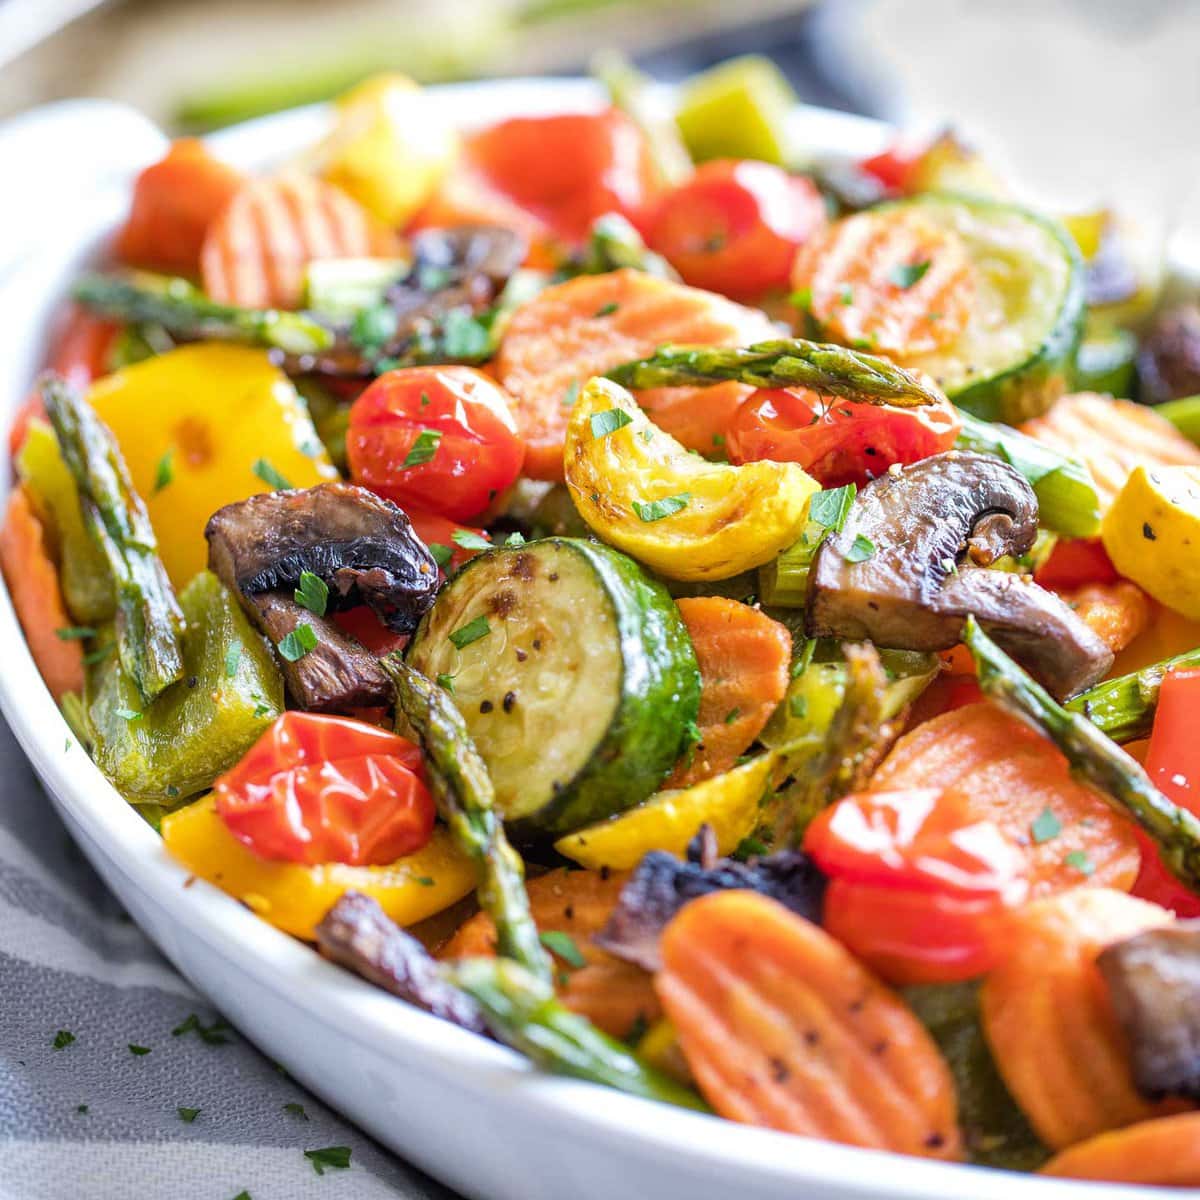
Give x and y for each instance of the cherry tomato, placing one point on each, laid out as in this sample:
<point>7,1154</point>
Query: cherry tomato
<point>734,226</point>
<point>1173,763</point>
<point>837,441</point>
<point>567,169</point>
<point>893,167</point>
<point>319,789</point>
<point>440,438</point>
<point>438,533</point>
<point>1074,563</point>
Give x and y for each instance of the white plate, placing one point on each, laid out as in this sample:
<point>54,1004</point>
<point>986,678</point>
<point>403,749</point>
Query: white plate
<point>467,1111</point>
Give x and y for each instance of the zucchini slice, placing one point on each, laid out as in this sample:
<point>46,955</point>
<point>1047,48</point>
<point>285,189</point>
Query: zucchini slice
<point>1015,356</point>
<point>574,673</point>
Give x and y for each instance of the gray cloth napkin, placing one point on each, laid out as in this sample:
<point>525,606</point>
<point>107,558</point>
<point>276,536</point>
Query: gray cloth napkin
<point>96,1119</point>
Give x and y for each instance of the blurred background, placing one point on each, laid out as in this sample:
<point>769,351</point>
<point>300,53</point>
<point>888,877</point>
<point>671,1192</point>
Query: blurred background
<point>1090,101</point>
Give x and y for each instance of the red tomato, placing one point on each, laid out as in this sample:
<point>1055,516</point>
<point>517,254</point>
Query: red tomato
<point>365,627</point>
<point>1173,763</point>
<point>567,169</point>
<point>734,226</point>
<point>893,167</point>
<point>1076,562</point>
<point>438,534</point>
<point>451,425</point>
<point>837,441</point>
<point>317,789</point>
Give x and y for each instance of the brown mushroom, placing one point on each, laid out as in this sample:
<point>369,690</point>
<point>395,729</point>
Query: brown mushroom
<point>1154,982</point>
<point>1168,363</point>
<point>908,568</point>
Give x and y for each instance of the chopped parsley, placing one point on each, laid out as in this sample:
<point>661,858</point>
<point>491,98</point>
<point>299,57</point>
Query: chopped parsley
<point>750,847</point>
<point>213,1034</point>
<point>464,335</point>
<point>164,473</point>
<point>861,549</point>
<point>472,631</point>
<point>99,654</point>
<point>732,715</point>
<point>1080,861</point>
<point>442,553</point>
<point>296,1110</point>
<point>655,510</point>
<point>330,1156</point>
<point>798,707</point>
<point>313,593</point>
<point>846,295</point>
<point>74,633</point>
<point>801,298</point>
<point>468,539</point>
<point>261,708</point>
<point>515,539</point>
<point>138,1051</point>
<point>607,310</point>
<point>243,1195</point>
<point>446,682</point>
<point>187,1115</point>
<point>904,275</point>
<point>373,327</point>
<point>233,656</point>
<point>298,643</point>
<point>831,507</point>
<point>571,394</point>
<point>1045,828</point>
<point>423,449</point>
<point>270,476</point>
<point>129,714</point>
<point>562,945</point>
<point>81,1108</point>
<point>609,421</point>
<point>62,1039</point>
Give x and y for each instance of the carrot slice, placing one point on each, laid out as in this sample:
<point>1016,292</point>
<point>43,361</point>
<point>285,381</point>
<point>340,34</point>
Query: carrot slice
<point>1050,1023</point>
<point>1001,771</point>
<point>1117,612</point>
<point>744,658</point>
<point>558,340</point>
<point>174,202</point>
<point>1111,437</point>
<point>32,580</point>
<point>1162,1153</point>
<point>614,995</point>
<point>255,252</point>
<point>782,1028</point>
<point>891,279</point>
<point>696,417</point>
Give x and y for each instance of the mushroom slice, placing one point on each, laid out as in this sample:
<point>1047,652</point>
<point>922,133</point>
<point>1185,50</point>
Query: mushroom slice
<point>361,545</point>
<point>489,250</point>
<point>1154,981</point>
<point>906,570</point>
<point>358,934</point>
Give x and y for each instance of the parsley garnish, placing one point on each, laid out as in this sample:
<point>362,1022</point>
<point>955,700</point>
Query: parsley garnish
<point>472,631</point>
<point>129,714</point>
<point>571,394</point>
<point>423,449</point>
<point>313,593</point>
<point>468,539</point>
<point>798,707</point>
<point>373,327</point>
<point>243,1195</point>
<point>1080,861</point>
<point>81,1108</point>
<point>213,1034</point>
<point>330,1156</point>
<point>904,275</point>
<point>99,654</point>
<point>830,508</point>
<point>464,336</point>
<point>298,643</point>
<point>138,1051</point>
<point>606,310</point>
<point>233,656</point>
<point>657,509</point>
<point>446,682</point>
<point>74,633</point>
<point>861,549</point>
<point>1045,828</point>
<point>261,709</point>
<point>732,715</point>
<point>297,1110</point>
<point>442,553</point>
<point>846,295</point>
<point>164,472</point>
<point>801,298</point>
<point>609,421</point>
<point>64,1037</point>
<point>514,539</point>
<point>563,946</point>
<point>270,476</point>
<point>187,1115</point>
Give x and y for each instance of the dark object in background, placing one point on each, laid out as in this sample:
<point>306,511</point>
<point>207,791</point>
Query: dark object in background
<point>1168,363</point>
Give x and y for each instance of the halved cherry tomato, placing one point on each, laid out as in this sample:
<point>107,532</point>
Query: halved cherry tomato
<point>1173,763</point>
<point>892,167</point>
<point>1075,562</point>
<point>440,438</point>
<point>837,441</point>
<point>734,226</point>
<point>319,789</point>
<point>567,169</point>
<point>437,532</point>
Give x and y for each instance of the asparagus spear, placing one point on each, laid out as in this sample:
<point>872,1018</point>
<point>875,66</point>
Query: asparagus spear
<point>521,1010</point>
<point>1092,756</point>
<point>1123,708</point>
<point>186,312</point>
<point>149,619</point>
<point>786,362</point>
<point>463,793</point>
<point>1067,499</point>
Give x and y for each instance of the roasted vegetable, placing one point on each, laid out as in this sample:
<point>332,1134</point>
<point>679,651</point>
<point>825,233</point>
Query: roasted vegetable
<point>908,566</point>
<point>1154,981</point>
<point>466,801</point>
<point>1161,1153</point>
<point>1123,708</point>
<point>1168,364</point>
<point>1091,755</point>
<point>149,621</point>
<point>1107,364</point>
<point>527,638</point>
<point>683,517</point>
<point>229,692</point>
<point>358,934</point>
<point>614,245</point>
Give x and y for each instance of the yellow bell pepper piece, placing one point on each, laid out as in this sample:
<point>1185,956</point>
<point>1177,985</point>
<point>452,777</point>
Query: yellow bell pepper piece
<point>1152,535</point>
<point>193,425</point>
<point>660,1048</point>
<point>389,149</point>
<point>686,518</point>
<point>294,897</point>
<point>730,803</point>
